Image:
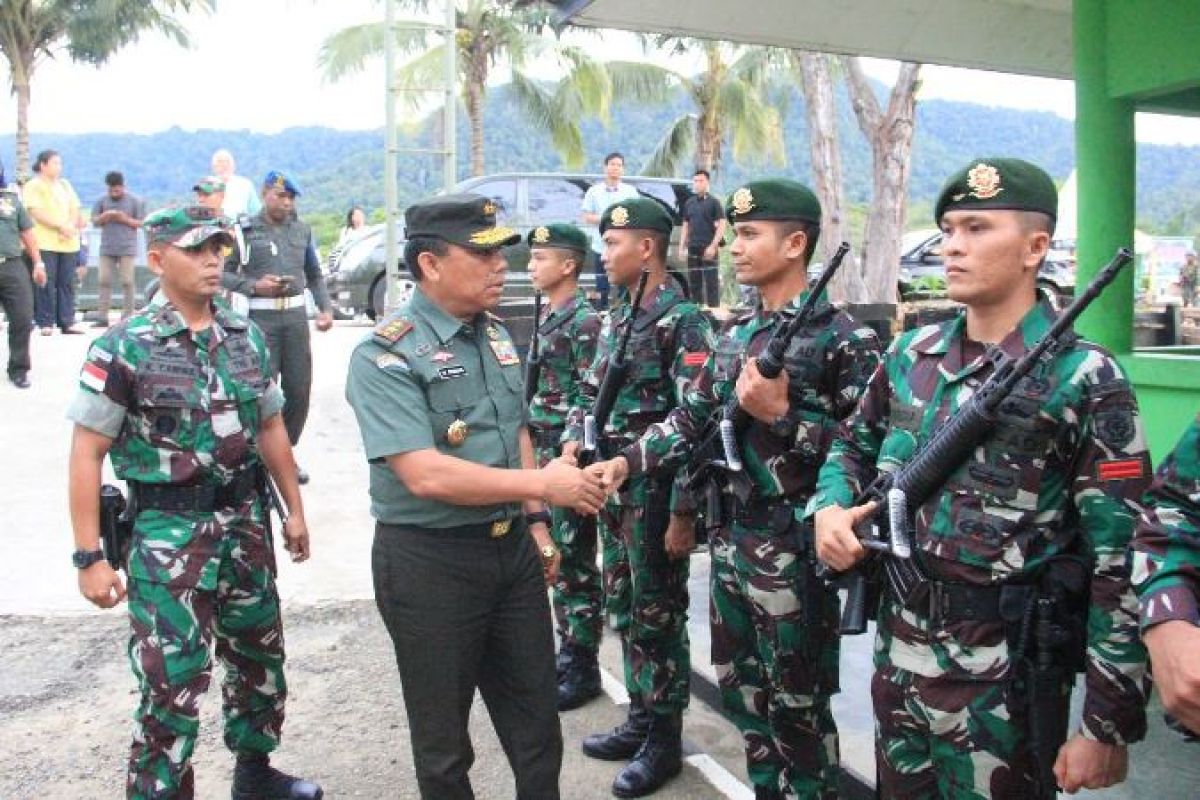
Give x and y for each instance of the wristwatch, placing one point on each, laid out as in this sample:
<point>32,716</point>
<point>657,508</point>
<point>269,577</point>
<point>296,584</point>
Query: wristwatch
<point>537,516</point>
<point>83,559</point>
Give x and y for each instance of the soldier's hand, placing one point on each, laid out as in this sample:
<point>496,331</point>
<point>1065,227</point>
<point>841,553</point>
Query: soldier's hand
<point>1084,763</point>
<point>680,538</point>
<point>837,544</point>
<point>570,487</point>
<point>1175,657</point>
<point>101,585</point>
<point>541,537</point>
<point>612,473</point>
<point>570,453</point>
<point>764,399</point>
<point>295,538</point>
<point>324,321</point>
<point>269,286</point>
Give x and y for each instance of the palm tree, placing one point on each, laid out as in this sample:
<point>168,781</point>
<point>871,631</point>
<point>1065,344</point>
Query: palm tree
<point>488,35</point>
<point>89,30</point>
<point>730,98</point>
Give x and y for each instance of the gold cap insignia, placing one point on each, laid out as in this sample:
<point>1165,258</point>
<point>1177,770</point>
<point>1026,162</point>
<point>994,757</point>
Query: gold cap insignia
<point>984,181</point>
<point>280,182</point>
<point>742,201</point>
<point>457,433</point>
<point>620,216</point>
<point>541,235</point>
<point>489,207</point>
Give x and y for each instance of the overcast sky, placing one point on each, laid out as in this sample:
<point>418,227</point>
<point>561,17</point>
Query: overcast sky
<point>253,66</point>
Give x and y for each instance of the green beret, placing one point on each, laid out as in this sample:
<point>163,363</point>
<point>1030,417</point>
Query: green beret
<point>991,184</point>
<point>560,236</point>
<point>464,219</point>
<point>638,214</point>
<point>776,199</point>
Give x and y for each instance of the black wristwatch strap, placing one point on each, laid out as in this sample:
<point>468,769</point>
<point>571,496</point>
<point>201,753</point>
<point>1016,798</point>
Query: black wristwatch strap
<point>82,559</point>
<point>537,516</point>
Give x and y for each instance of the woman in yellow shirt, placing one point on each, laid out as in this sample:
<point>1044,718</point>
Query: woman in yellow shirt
<point>57,221</point>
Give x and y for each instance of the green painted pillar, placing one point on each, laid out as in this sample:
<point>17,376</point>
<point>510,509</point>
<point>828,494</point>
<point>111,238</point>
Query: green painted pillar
<point>1106,160</point>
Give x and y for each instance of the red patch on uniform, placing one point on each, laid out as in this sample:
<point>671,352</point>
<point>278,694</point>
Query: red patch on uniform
<point>94,377</point>
<point>1120,470</point>
<point>695,359</point>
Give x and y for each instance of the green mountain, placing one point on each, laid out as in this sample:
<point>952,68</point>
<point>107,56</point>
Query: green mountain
<point>336,169</point>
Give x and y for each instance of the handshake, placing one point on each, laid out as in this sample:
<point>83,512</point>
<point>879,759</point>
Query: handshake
<point>582,490</point>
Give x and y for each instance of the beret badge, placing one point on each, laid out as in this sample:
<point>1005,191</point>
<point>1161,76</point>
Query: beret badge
<point>742,201</point>
<point>541,235</point>
<point>620,216</point>
<point>984,181</point>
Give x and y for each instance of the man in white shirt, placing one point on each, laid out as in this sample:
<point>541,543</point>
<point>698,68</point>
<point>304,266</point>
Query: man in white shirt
<point>241,197</point>
<point>595,202</point>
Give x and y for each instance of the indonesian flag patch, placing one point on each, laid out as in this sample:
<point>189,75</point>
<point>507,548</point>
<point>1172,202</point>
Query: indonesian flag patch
<point>1120,470</point>
<point>94,376</point>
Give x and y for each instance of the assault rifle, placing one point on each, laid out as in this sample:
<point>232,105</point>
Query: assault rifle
<point>719,449</point>
<point>888,529</point>
<point>614,379</point>
<point>533,362</point>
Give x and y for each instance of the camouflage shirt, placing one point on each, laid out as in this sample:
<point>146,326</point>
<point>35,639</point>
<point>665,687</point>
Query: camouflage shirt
<point>827,364</point>
<point>1166,547</point>
<point>1067,454</point>
<point>566,347</point>
<point>671,341</point>
<point>183,407</point>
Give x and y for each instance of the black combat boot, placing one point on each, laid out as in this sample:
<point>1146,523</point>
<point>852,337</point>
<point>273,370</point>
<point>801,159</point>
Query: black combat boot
<point>623,741</point>
<point>255,779</point>
<point>580,680</point>
<point>659,759</point>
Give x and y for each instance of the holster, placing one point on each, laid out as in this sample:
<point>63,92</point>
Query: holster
<point>657,518</point>
<point>116,524</point>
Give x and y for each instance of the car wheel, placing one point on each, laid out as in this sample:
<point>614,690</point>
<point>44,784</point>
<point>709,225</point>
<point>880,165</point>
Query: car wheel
<point>405,287</point>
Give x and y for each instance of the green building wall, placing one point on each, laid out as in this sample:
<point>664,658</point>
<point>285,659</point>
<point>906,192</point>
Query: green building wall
<point>1130,55</point>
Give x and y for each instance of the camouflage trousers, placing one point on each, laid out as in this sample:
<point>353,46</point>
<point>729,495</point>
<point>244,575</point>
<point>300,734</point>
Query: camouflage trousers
<point>576,594</point>
<point>776,660</point>
<point>946,738</point>
<point>223,592</point>
<point>646,601</point>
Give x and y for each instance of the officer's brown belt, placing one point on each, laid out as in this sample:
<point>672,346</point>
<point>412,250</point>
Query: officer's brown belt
<point>198,498</point>
<point>496,529</point>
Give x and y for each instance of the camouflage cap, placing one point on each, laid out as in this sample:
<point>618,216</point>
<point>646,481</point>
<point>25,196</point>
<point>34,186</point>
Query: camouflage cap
<point>464,219</point>
<point>560,236</point>
<point>277,180</point>
<point>209,185</point>
<point>187,226</point>
<point>998,184</point>
<point>637,214</point>
<point>773,199</point>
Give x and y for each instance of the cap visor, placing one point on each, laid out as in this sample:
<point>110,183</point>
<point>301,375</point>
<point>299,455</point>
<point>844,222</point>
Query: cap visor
<point>198,236</point>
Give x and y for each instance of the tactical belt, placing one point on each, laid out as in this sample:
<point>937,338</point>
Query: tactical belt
<point>758,512</point>
<point>496,529</point>
<point>276,303</point>
<point>546,438</point>
<point>964,602</point>
<point>198,498</point>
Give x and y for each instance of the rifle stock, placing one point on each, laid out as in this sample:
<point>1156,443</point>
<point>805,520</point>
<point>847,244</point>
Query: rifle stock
<point>953,443</point>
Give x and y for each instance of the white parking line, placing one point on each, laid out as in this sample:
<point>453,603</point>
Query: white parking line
<point>722,779</point>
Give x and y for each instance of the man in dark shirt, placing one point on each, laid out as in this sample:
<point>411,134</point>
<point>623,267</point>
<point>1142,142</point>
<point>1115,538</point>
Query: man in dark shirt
<point>703,229</point>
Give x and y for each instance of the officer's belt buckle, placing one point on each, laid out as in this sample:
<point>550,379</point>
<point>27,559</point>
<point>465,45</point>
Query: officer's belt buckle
<point>281,303</point>
<point>500,528</point>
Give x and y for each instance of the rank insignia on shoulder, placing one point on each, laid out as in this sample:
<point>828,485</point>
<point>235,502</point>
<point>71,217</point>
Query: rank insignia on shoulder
<point>1115,470</point>
<point>393,330</point>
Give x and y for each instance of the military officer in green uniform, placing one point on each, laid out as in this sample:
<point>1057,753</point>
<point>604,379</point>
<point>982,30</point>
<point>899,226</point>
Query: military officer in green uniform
<point>645,545</point>
<point>462,552</point>
<point>16,289</point>
<point>180,397</point>
<point>1032,528</point>
<point>774,623</point>
<point>566,345</point>
<point>275,263</point>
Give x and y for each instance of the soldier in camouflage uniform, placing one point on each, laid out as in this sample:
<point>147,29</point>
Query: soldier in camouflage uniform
<point>1166,575</point>
<point>774,624</point>
<point>180,396</point>
<point>566,345</point>
<point>645,547</point>
<point>1052,495</point>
